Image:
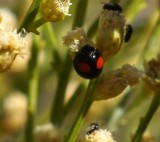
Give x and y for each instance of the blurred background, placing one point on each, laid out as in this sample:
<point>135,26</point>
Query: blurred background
<point>120,115</point>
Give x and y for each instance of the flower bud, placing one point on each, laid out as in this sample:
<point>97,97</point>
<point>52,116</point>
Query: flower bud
<point>110,33</point>
<point>112,84</point>
<point>55,10</point>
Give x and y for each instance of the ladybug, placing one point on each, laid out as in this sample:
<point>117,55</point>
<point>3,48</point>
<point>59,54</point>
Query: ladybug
<point>112,6</point>
<point>129,32</point>
<point>88,62</point>
<point>94,127</point>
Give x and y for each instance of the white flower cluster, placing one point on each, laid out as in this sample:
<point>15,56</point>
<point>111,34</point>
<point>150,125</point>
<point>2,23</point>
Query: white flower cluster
<point>101,135</point>
<point>11,43</point>
<point>55,10</point>
<point>76,39</point>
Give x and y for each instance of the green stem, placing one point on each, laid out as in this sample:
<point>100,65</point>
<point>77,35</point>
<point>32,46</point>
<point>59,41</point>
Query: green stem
<point>118,113</point>
<point>63,78</point>
<point>30,16</point>
<point>34,25</point>
<point>145,121</point>
<point>32,93</point>
<point>51,35</point>
<point>58,104</point>
<point>153,24</point>
<point>82,113</point>
<point>75,97</point>
<point>80,14</point>
<point>93,28</point>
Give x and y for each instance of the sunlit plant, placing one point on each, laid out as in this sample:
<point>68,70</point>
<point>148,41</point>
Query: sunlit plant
<point>93,67</point>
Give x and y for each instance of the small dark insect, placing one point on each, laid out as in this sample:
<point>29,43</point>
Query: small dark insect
<point>94,127</point>
<point>129,32</point>
<point>112,6</point>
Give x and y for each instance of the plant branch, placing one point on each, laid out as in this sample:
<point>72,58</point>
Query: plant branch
<point>32,93</point>
<point>145,121</point>
<point>82,113</point>
<point>30,16</point>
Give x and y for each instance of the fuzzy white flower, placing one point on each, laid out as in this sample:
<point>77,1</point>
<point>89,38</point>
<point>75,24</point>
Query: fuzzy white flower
<point>101,135</point>
<point>55,10</point>
<point>11,45</point>
<point>76,39</point>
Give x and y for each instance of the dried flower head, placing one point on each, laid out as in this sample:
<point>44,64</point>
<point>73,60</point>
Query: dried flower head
<point>76,39</point>
<point>55,10</point>
<point>14,109</point>
<point>95,134</point>
<point>152,73</point>
<point>110,33</point>
<point>47,133</point>
<point>11,45</point>
<point>114,83</point>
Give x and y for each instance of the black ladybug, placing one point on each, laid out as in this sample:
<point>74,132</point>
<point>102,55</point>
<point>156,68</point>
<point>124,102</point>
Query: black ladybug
<point>112,6</point>
<point>88,62</point>
<point>94,127</point>
<point>129,32</point>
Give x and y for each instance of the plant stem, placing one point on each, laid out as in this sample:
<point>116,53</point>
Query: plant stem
<point>34,25</point>
<point>82,113</point>
<point>145,121</point>
<point>32,93</point>
<point>75,97</point>
<point>63,77</point>
<point>58,104</point>
<point>80,14</point>
<point>30,16</point>
<point>152,27</point>
<point>51,35</point>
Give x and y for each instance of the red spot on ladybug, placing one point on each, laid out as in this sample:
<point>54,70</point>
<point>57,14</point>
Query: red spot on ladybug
<point>88,62</point>
<point>84,67</point>
<point>100,63</point>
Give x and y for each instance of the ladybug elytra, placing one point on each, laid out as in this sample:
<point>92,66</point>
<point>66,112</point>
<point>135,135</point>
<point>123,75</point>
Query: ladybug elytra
<point>88,62</point>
